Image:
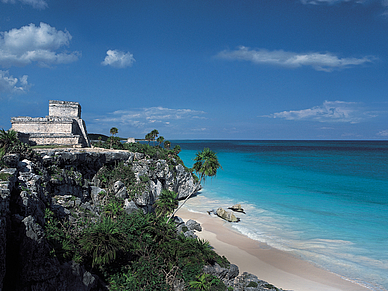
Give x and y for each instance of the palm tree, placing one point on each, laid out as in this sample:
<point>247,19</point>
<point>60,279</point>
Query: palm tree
<point>167,144</point>
<point>148,137</point>
<point>114,131</point>
<point>154,134</point>
<point>206,164</point>
<point>160,140</point>
<point>177,149</point>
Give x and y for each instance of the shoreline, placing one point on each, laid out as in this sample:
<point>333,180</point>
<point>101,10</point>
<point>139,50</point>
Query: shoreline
<point>277,267</point>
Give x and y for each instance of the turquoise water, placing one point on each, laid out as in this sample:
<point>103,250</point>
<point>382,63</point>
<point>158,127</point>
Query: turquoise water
<point>324,201</point>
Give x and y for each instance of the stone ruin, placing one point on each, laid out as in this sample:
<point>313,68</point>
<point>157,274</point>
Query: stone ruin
<point>63,126</point>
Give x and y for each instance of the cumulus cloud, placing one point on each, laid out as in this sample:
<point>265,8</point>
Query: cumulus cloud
<point>37,4</point>
<point>319,61</point>
<point>329,111</point>
<point>152,115</point>
<point>10,84</point>
<point>39,44</point>
<point>118,59</point>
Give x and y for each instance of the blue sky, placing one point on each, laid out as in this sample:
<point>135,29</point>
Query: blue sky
<point>196,69</point>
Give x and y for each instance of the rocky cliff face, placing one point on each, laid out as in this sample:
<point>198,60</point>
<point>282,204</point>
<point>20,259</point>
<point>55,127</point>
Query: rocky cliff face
<point>66,182</point>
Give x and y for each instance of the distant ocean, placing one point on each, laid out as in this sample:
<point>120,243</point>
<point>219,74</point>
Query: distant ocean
<point>324,201</point>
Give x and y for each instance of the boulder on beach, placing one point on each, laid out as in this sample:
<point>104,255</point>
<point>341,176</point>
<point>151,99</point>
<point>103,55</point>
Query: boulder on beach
<point>237,208</point>
<point>227,215</point>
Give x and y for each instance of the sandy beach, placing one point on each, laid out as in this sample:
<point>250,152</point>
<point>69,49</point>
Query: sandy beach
<point>274,266</point>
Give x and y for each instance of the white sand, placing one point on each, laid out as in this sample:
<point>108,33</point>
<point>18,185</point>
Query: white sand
<point>274,266</point>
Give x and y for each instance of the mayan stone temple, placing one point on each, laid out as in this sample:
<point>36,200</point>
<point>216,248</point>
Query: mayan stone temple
<point>63,126</point>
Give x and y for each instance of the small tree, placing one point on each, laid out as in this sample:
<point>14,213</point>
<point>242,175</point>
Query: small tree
<point>148,137</point>
<point>160,140</point>
<point>206,164</point>
<point>114,131</point>
<point>177,149</point>
<point>154,134</point>
<point>166,203</point>
<point>167,144</point>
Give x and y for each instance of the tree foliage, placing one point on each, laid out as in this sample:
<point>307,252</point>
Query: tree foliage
<point>132,251</point>
<point>102,242</point>
<point>166,203</point>
<point>206,164</point>
<point>113,131</point>
<point>160,140</point>
<point>9,143</point>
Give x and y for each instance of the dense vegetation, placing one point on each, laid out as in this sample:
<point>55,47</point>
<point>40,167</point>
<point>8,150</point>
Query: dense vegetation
<point>155,152</point>
<point>134,251</point>
<point>10,144</point>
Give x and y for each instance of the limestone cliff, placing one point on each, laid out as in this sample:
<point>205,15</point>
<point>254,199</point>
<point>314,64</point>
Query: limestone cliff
<point>65,181</point>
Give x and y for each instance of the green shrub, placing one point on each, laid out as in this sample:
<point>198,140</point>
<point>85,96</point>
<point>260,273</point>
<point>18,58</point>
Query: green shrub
<point>109,174</point>
<point>166,203</point>
<point>113,208</point>
<point>60,237</point>
<point>132,252</point>
<point>252,284</point>
<point>103,241</point>
<point>4,176</point>
<point>270,286</point>
<point>144,178</point>
<point>207,282</point>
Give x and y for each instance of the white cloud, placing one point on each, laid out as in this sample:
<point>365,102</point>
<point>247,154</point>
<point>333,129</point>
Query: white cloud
<point>10,84</point>
<point>20,47</point>
<point>153,115</point>
<point>37,4</point>
<point>383,133</point>
<point>383,3</point>
<point>118,59</point>
<point>317,2</point>
<point>329,111</point>
<point>319,61</point>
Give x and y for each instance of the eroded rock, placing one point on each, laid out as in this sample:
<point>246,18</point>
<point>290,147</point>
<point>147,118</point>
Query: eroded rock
<point>227,215</point>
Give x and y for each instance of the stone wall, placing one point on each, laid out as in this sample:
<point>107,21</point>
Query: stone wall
<point>63,126</point>
<point>43,124</point>
<point>64,109</point>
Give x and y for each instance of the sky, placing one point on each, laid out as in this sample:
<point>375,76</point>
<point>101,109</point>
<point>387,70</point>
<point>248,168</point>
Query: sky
<point>201,69</point>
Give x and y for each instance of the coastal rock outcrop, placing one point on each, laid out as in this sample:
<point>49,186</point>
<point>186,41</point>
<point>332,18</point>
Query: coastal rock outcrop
<point>225,274</point>
<point>237,208</point>
<point>188,228</point>
<point>65,182</point>
<point>227,215</point>
<point>250,282</point>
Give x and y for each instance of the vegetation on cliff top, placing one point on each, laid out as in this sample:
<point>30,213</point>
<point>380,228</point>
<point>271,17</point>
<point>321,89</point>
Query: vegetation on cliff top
<point>10,144</point>
<point>134,251</point>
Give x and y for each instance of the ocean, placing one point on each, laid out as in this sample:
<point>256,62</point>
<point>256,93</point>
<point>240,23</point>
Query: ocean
<point>323,201</point>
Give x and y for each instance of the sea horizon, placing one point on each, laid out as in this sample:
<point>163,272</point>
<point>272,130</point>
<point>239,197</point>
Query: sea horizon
<point>323,201</point>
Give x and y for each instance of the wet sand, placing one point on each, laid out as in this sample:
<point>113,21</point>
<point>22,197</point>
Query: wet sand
<point>274,266</point>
